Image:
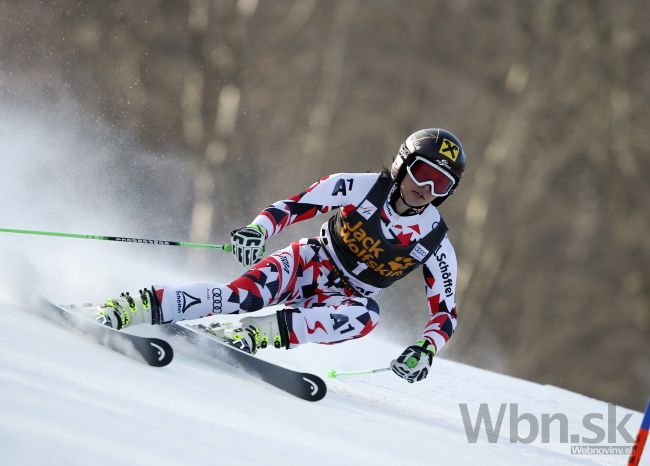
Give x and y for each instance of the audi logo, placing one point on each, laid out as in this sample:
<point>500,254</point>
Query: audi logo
<point>216,300</point>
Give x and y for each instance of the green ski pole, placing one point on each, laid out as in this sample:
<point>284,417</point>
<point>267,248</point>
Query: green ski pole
<point>224,247</point>
<point>334,373</point>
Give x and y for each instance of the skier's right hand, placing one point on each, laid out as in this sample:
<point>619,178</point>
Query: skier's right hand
<point>248,244</point>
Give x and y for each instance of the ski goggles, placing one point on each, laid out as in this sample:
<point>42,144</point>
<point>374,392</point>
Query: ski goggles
<point>424,172</point>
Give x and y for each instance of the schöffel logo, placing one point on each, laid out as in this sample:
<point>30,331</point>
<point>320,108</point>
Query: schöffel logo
<point>184,301</point>
<point>447,277</point>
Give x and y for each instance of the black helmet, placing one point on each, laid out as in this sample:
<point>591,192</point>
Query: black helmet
<point>437,145</point>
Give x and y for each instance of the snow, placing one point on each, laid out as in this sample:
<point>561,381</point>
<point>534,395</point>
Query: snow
<point>66,400</point>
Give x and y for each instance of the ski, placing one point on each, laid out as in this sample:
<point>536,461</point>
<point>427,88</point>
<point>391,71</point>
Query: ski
<point>306,386</point>
<point>155,351</point>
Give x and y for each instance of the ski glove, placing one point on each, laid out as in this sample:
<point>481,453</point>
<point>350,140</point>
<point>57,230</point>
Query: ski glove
<point>248,244</point>
<point>414,362</point>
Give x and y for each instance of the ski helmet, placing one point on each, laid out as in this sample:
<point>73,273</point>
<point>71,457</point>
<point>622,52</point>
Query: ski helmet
<point>436,145</point>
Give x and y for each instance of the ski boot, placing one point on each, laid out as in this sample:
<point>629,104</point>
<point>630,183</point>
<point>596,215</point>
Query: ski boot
<point>126,310</point>
<point>255,333</point>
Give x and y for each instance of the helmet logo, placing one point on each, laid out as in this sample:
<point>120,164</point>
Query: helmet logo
<point>449,149</point>
<point>443,163</point>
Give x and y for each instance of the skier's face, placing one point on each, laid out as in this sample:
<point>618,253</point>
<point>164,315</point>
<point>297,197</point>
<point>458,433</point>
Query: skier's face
<point>414,195</point>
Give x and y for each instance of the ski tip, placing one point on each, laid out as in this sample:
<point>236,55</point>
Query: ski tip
<point>332,374</point>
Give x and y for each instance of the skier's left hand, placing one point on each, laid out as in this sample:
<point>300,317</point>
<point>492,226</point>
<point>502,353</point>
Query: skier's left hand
<point>415,361</point>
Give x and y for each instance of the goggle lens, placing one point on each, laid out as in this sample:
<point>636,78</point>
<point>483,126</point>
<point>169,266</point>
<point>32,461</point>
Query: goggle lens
<point>424,172</point>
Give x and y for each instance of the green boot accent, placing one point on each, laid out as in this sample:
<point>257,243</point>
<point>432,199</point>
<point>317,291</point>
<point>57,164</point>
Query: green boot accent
<point>252,334</point>
<point>125,311</point>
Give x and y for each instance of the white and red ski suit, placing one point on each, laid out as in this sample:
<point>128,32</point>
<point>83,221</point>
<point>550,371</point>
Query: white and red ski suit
<point>327,302</point>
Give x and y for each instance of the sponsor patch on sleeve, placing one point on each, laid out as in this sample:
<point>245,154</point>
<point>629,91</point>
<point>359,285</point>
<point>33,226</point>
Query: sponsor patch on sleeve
<point>419,252</point>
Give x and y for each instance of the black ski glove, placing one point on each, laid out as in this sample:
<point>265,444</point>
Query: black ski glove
<point>248,244</point>
<point>415,361</point>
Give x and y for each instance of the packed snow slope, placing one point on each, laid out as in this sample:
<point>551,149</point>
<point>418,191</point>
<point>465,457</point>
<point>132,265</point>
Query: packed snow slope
<point>65,400</point>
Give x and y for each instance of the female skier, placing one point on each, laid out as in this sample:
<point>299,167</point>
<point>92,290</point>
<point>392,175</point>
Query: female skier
<point>386,225</point>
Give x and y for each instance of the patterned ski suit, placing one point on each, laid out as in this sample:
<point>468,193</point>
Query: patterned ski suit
<point>326,303</point>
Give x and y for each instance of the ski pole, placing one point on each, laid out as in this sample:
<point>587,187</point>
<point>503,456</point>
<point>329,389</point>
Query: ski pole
<point>334,373</point>
<point>225,247</point>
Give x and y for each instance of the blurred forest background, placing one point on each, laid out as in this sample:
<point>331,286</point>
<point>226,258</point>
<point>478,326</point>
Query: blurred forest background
<point>257,99</point>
